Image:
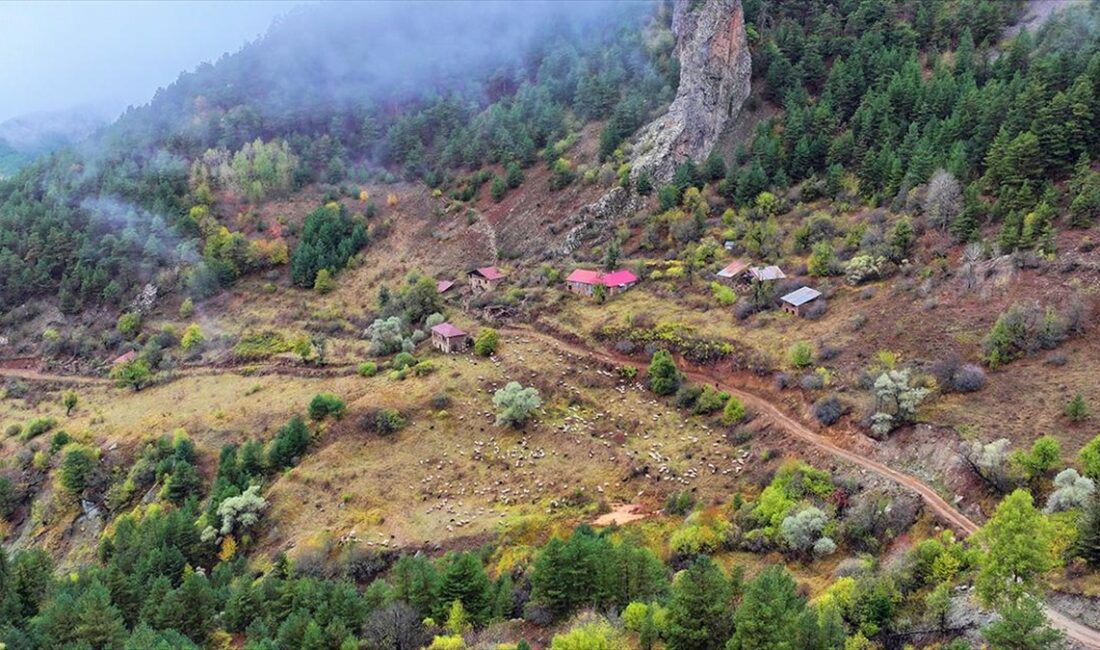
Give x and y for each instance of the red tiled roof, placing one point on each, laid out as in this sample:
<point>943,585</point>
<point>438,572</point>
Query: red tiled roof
<point>490,273</point>
<point>125,358</point>
<point>443,285</point>
<point>613,279</point>
<point>619,278</point>
<point>448,331</point>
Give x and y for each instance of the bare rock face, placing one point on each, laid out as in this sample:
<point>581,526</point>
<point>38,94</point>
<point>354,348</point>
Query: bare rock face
<point>715,77</point>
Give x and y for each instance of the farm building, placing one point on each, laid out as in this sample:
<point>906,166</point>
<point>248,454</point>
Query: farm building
<point>796,302</point>
<point>485,278</point>
<point>449,339</point>
<point>443,285</point>
<point>733,270</point>
<point>766,273</point>
<point>584,281</point>
<point>124,358</point>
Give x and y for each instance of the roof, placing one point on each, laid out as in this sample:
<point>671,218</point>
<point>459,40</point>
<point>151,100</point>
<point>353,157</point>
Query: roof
<point>443,285</point>
<point>488,272</point>
<point>766,273</point>
<point>447,331</point>
<point>801,296</point>
<point>618,278</point>
<point>125,358</point>
<point>733,269</point>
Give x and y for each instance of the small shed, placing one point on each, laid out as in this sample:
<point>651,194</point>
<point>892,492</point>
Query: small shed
<point>449,339</point>
<point>124,358</point>
<point>585,281</point>
<point>797,301</point>
<point>766,273</point>
<point>485,278</point>
<point>733,270</point>
<point>442,286</point>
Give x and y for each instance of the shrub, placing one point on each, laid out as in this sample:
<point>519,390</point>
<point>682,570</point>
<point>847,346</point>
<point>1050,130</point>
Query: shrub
<point>1089,457</point>
<point>384,421</point>
<point>515,404</point>
<point>367,369</point>
<point>486,342</point>
<point>811,381</point>
<point>863,268</point>
<point>687,395</point>
<point>324,405</point>
<point>827,410</point>
<point>664,377</point>
<point>424,368</point>
<point>734,411</point>
<point>723,294</point>
<point>896,401</point>
<point>801,530</point>
<point>403,360</point>
<point>128,324</point>
<point>1071,490</point>
<point>58,441</point>
<point>801,355</point>
<point>710,401</point>
<point>324,282</point>
<point>77,468</point>
<point>187,308</point>
<point>37,427</point>
<point>192,337</point>
<point>1020,331</point>
<point>1076,410</point>
<point>289,444</point>
<point>679,503</point>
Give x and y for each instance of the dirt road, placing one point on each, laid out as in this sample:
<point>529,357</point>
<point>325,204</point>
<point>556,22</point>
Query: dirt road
<point>1077,632</point>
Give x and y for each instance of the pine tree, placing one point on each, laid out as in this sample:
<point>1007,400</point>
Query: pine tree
<point>1088,533</point>
<point>98,623</point>
<point>664,377</point>
<point>768,616</point>
<point>699,610</point>
<point>464,580</point>
<point>1023,626</point>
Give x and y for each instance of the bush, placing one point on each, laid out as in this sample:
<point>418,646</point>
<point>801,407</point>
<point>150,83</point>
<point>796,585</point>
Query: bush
<point>801,355</point>
<point>324,282</point>
<point>324,405</point>
<point>289,444</point>
<point>679,503</point>
<point>1076,410</point>
<point>515,404</point>
<point>734,412</point>
<point>403,360</point>
<point>367,369</point>
<point>383,421</point>
<point>664,377</point>
<point>77,468</point>
<point>811,381</point>
<point>9,498</point>
<point>1022,330</point>
<point>710,401</point>
<point>828,410</point>
<point>37,427</point>
<point>486,342</point>
<point>687,396</point>
<point>128,324</point>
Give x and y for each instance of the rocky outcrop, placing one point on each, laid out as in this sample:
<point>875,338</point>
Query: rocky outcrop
<point>598,218</point>
<point>715,76</point>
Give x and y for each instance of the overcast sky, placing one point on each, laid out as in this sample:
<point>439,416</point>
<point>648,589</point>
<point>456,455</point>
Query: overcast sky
<point>60,55</point>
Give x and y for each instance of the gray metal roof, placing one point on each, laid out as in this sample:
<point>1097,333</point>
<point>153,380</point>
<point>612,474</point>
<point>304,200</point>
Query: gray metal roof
<point>767,273</point>
<point>801,296</point>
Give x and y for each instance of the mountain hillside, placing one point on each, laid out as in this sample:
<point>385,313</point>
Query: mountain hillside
<point>693,324</point>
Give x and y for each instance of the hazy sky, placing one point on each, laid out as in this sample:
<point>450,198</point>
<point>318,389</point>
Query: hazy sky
<point>57,55</point>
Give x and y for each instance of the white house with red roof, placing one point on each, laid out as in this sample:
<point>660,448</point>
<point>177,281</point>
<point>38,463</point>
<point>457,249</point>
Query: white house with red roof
<point>485,278</point>
<point>585,281</point>
<point>449,339</point>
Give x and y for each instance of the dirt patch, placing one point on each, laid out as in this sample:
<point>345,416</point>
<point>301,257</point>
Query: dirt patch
<point>622,514</point>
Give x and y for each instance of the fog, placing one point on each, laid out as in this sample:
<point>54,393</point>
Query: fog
<point>99,57</point>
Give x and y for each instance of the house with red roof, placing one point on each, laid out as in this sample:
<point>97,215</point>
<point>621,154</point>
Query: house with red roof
<point>585,281</point>
<point>442,286</point>
<point>485,278</point>
<point>449,339</point>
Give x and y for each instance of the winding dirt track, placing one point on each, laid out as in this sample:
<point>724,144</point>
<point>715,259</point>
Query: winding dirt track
<point>1079,633</point>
